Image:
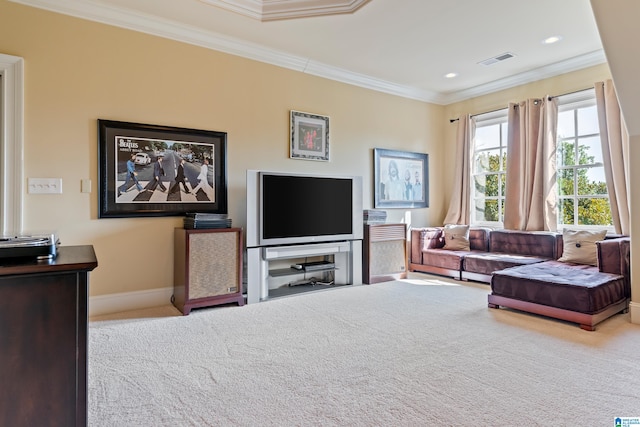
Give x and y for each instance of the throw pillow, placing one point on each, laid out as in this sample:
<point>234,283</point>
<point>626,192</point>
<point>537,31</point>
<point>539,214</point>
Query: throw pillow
<point>456,237</point>
<point>580,247</point>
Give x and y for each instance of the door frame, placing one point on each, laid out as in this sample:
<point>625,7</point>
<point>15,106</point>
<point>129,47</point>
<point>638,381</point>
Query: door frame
<point>11,143</point>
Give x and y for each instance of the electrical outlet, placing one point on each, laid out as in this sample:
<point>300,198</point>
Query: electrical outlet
<point>45,185</point>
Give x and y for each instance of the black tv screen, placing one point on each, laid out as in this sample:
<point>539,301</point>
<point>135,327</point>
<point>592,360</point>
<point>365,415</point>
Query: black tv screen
<point>299,206</point>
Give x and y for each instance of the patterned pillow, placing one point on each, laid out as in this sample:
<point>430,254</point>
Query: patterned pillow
<point>579,247</point>
<point>456,237</point>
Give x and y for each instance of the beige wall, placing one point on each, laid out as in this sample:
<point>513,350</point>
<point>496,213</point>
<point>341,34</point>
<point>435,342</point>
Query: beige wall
<point>78,71</point>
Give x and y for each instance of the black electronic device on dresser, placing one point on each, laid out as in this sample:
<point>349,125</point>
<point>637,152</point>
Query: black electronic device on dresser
<point>37,246</point>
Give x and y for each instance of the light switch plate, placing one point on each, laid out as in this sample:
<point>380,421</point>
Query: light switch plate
<point>45,185</point>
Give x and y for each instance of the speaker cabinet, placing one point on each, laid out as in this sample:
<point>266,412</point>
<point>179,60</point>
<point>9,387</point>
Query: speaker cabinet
<point>384,252</point>
<point>207,268</point>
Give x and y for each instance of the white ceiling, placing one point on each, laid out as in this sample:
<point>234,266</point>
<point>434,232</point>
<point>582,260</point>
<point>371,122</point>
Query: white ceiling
<point>403,47</point>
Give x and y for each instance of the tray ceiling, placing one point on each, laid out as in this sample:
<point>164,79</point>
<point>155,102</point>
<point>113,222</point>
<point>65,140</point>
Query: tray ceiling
<point>269,10</point>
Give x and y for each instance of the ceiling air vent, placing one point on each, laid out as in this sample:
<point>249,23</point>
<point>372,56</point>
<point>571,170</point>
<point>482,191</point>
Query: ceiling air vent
<point>497,59</point>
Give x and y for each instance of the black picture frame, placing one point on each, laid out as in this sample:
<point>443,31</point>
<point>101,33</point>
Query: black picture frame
<point>193,148</point>
<point>409,188</point>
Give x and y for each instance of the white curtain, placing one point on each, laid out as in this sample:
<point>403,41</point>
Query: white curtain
<point>615,154</point>
<point>459,205</point>
<point>530,193</point>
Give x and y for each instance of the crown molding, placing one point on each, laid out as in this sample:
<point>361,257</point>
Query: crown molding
<point>572,64</point>
<point>344,76</point>
<point>149,24</point>
<point>160,27</point>
<point>271,10</point>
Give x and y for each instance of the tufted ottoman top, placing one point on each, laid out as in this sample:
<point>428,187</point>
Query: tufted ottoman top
<point>572,287</point>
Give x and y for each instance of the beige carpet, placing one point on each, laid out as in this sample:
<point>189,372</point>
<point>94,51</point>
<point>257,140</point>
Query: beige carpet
<point>420,352</point>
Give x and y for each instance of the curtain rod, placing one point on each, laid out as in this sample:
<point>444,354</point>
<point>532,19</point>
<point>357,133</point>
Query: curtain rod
<point>473,115</point>
<point>571,93</point>
<point>498,109</point>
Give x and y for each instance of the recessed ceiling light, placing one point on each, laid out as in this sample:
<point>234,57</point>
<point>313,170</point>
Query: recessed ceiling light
<point>450,75</point>
<point>552,40</point>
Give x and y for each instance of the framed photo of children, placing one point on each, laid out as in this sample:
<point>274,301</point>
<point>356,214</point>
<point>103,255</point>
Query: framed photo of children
<point>153,170</point>
<point>309,136</point>
<point>401,179</point>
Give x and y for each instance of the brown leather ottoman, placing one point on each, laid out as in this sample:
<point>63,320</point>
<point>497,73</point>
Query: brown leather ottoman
<point>572,292</point>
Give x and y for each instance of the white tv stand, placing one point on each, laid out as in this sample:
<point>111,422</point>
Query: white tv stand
<point>347,254</point>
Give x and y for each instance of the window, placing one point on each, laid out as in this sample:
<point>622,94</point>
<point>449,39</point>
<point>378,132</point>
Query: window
<point>582,190</point>
<point>488,168</point>
<point>583,200</point>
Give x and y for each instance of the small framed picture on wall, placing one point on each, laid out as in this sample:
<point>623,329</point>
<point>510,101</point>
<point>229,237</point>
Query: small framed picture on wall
<point>309,136</point>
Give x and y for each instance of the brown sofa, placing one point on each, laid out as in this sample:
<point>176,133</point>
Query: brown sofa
<point>578,293</point>
<point>429,256</point>
<point>490,250</point>
<point>525,274</point>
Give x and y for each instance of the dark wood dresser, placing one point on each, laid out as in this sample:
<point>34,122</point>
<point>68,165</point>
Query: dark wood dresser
<point>43,339</point>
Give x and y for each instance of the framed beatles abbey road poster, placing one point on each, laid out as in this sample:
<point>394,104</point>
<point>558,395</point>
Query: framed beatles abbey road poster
<point>153,170</point>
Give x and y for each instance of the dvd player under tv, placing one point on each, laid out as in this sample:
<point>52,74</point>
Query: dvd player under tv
<point>317,265</point>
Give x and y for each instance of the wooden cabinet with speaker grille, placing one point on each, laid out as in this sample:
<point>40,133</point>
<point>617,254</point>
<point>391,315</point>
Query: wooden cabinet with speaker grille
<point>384,252</point>
<point>207,268</point>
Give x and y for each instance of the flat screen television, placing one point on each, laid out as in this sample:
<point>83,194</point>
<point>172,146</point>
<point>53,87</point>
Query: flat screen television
<point>293,208</point>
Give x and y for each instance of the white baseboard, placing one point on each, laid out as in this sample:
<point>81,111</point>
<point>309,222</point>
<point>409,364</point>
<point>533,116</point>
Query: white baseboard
<point>634,310</point>
<point>127,301</point>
